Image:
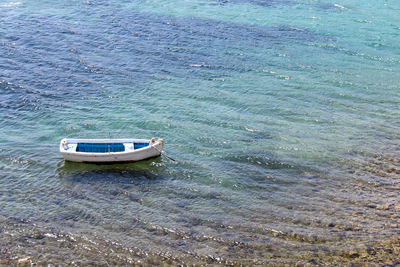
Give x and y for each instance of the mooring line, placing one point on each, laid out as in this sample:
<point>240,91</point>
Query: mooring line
<point>165,155</point>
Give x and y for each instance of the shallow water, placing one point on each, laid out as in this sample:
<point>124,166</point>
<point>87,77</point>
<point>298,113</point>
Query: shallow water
<point>283,117</point>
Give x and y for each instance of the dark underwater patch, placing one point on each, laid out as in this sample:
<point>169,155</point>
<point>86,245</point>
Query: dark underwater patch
<point>261,160</point>
<point>56,61</point>
<point>108,175</point>
<point>265,170</point>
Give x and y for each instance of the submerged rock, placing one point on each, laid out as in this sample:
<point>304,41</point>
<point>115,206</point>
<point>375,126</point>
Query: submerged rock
<point>24,260</point>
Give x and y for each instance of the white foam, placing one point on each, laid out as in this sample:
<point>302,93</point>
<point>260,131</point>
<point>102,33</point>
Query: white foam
<point>11,4</point>
<point>339,6</point>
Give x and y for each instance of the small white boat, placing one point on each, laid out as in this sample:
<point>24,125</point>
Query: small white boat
<point>110,150</point>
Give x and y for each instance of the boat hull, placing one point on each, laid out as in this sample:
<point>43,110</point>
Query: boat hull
<point>154,149</point>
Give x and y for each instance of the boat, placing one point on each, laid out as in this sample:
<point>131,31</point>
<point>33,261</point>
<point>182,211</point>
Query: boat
<point>110,150</point>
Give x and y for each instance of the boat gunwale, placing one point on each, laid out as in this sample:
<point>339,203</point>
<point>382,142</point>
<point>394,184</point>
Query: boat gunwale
<point>125,140</point>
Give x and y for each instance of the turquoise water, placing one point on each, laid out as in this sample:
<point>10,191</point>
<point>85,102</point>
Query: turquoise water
<point>283,117</point>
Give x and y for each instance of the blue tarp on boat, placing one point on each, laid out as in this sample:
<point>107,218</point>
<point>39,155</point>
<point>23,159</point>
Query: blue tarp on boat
<point>140,145</point>
<point>100,147</point>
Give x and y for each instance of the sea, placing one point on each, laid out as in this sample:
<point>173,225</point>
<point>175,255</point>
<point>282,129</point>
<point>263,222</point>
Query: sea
<point>283,117</point>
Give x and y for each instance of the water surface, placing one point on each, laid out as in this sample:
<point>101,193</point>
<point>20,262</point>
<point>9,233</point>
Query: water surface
<point>283,117</point>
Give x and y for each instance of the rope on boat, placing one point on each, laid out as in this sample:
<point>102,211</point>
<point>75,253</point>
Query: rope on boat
<point>165,155</point>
